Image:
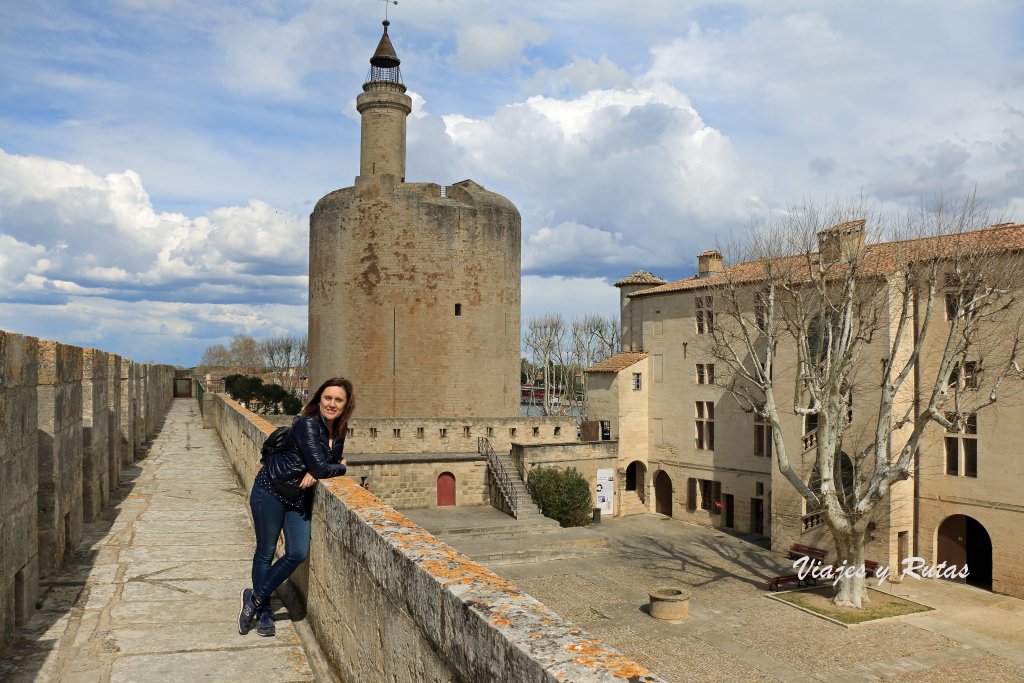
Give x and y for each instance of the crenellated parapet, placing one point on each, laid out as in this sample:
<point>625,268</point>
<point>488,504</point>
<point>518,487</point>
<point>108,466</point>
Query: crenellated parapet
<point>61,453</point>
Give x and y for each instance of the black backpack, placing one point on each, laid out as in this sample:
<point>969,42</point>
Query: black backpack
<point>277,441</point>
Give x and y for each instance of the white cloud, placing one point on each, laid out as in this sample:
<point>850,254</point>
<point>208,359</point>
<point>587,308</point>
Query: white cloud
<point>637,162</point>
<point>551,247</point>
<point>579,76</point>
<point>500,45</point>
<point>69,231</point>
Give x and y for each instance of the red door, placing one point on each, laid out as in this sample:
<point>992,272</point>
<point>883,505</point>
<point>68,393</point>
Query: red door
<point>446,489</point>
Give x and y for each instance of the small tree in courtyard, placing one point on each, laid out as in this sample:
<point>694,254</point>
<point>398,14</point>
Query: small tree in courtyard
<point>563,495</point>
<point>924,329</point>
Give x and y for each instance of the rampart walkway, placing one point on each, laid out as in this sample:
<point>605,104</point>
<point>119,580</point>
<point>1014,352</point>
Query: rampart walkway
<point>151,594</point>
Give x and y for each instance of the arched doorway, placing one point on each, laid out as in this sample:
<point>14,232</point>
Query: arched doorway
<point>636,476</point>
<point>963,540</point>
<point>446,489</point>
<point>663,493</point>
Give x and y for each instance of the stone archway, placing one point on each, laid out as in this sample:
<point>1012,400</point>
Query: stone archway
<point>636,479</point>
<point>663,493</point>
<point>963,540</point>
<point>445,489</point>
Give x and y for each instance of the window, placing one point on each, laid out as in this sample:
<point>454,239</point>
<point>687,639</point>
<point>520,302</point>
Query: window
<point>705,424</point>
<point>349,432</point>
<point>558,431</point>
<point>705,373</point>
<point>458,309</point>
<point>512,432</point>
<point>952,305</point>
<point>373,432</point>
<point>962,447</point>
<point>759,489</point>
<point>397,433</point>
<point>536,431</point>
<point>465,432</point>
<point>968,379</point>
<point>704,314</point>
<point>971,374</point>
<point>710,495</point>
<point>443,432</point>
<point>606,430</point>
<point>490,432</point>
<point>637,381</point>
<point>762,437</point>
<point>419,432</point>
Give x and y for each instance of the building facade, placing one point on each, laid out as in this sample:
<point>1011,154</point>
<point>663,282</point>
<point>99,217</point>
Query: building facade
<point>686,448</point>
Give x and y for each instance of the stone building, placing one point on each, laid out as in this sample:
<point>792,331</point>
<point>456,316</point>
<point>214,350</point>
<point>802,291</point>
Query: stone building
<point>414,288</point>
<point>688,450</point>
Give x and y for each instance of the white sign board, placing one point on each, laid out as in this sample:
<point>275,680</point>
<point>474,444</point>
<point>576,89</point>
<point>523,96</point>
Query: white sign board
<point>606,491</point>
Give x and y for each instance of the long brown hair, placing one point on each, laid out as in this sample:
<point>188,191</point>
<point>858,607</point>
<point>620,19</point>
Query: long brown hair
<point>341,422</point>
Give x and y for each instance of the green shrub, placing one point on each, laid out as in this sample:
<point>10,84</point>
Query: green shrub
<point>563,495</point>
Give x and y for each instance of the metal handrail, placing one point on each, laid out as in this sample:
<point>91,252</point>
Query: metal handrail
<point>200,390</point>
<point>502,477</point>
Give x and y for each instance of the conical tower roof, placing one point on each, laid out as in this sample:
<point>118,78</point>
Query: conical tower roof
<point>385,57</point>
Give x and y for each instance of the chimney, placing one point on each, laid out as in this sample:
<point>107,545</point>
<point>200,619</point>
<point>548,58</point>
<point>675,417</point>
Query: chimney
<point>709,263</point>
<point>841,242</point>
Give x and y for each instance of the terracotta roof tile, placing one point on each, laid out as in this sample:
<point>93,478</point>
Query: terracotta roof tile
<point>618,362</point>
<point>641,277</point>
<point>878,258</point>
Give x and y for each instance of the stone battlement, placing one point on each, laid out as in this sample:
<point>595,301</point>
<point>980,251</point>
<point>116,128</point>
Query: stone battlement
<point>70,418</point>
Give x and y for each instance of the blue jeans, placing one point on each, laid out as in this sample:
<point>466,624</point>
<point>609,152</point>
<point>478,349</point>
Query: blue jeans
<point>270,516</point>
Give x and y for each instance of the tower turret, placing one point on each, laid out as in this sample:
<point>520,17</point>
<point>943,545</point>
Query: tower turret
<point>383,106</point>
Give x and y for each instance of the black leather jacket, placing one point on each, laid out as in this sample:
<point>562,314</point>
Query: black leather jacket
<point>309,437</point>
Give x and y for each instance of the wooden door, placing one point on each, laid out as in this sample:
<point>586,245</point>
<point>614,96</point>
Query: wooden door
<point>663,494</point>
<point>952,546</point>
<point>757,516</point>
<point>446,489</point>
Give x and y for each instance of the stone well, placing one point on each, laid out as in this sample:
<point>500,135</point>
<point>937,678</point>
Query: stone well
<point>669,604</point>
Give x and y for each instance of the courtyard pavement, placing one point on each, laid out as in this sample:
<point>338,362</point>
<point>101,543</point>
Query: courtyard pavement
<point>734,632</point>
<point>151,593</point>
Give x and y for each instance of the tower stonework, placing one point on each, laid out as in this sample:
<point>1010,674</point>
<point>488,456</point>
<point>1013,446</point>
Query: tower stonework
<point>414,288</point>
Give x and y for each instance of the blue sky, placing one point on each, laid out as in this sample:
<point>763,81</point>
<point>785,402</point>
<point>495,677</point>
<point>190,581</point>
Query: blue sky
<point>159,158</point>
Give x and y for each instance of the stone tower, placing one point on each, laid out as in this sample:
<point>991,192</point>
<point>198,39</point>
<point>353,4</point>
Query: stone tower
<point>413,287</point>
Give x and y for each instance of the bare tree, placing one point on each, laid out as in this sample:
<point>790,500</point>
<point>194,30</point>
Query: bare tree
<point>545,339</point>
<point>923,330</point>
<point>277,354</point>
<point>216,356</point>
<point>245,353</point>
<point>593,338</point>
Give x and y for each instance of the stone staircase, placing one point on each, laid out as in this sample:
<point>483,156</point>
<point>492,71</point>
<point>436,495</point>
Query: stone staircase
<point>630,504</point>
<point>528,510</point>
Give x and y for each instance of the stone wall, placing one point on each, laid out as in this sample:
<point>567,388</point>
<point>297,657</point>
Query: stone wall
<point>400,459</point>
<point>59,411</point>
<point>378,435</point>
<point>586,457</point>
<point>95,463</point>
<point>60,452</point>
<point>411,482</point>
<point>388,601</point>
<point>19,481</point>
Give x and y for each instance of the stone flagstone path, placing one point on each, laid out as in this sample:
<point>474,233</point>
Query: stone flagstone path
<point>151,594</point>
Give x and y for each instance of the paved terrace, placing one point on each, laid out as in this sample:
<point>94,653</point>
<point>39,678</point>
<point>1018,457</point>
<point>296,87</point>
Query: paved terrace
<point>151,595</point>
<point>734,632</point>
